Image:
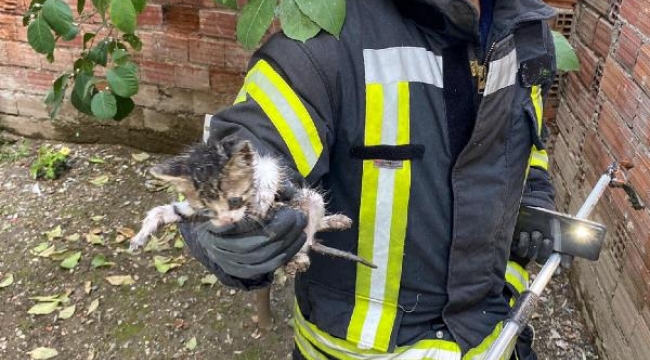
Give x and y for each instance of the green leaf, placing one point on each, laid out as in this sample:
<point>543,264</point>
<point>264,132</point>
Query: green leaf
<point>133,40</point>
<point>123,15</point>
<point>43,308</point>
<point>254,20</point>
<point>101,6</point>
<point>120,56</point>
<point>329,14</point>
<point>139,5</point>
<point>58,15</point>
<point>7,280</point>
<point>163,264</point>
<point>565,55</point>
<point>71,261</point>
<point>99,53</point>
<point>295,24</point>
<point>55,96</point>
<point>124,107</point>
<point>100,261</point>
<point>81,4</point>
<point>182,280</point>
<point>104,105</point>
<point>179,243</point>
<point>55,233</point>
<point>87,37</point>
<point>229,3</point>
<point>80,97</point>
<point>39,36</point>
<point>43,353</point>
<point>123,79</point>
<point>67,312</point>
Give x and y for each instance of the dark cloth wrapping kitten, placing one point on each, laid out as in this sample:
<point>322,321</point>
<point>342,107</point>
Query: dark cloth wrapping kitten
<point>229,182</point>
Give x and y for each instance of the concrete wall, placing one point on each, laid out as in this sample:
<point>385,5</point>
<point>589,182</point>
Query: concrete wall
<point>190,65</point>
<point>604,115</point>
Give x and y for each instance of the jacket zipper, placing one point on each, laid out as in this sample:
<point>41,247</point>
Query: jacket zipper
<point>479,71</point>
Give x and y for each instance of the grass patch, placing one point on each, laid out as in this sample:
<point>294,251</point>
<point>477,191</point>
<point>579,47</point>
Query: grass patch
<point>14,152</point>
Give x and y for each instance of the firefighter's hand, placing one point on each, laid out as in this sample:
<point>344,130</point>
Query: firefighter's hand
<point>530,246</point>
<point>249,249</point>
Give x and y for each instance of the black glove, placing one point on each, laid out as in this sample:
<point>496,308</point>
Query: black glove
<point>246,250</point>
<point>531,246</point>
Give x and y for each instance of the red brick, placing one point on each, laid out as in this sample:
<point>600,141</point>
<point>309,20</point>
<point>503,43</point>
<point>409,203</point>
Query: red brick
<point>192,77</point>
<point>21,31</point>
<point>157,73</point>
<point>7,26</point>
<point>151,16</point>
<point>620,89</point>
<point>642,68</point>
<point>641,122</point>
<point>183,19</point>
<point>615,134</point>
<point>628,47</point>
<point>218,23</point>
<point>20,54</point>
<point>167,47</point>
<point>588,63</point>
<point>38,80</point>
<point>601,6</point>
<point>637,14</point>
<point>63,60</point>
<point>596,156</point>
<point>586,25</point>
<point>207,51</point>
<point>16,7</point>
<point>602,37</point>
<point>636,275</point>
<point>236,58</point>
<point>225,83</point>
<point>580,99</point>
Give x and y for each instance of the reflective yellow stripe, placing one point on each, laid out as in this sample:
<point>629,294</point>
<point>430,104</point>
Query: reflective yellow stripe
<point>287,113</point>
<point>517,276</point>
<point>382,219</point>
<point>312,340</point>
<point>538,158</point>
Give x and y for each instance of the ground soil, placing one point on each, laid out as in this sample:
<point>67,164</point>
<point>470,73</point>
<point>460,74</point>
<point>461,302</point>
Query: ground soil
<point>156,317</point>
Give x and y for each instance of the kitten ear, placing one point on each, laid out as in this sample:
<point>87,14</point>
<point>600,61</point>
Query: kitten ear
<point>241,154</point>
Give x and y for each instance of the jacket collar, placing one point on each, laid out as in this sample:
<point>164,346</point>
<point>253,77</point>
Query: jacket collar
<point>460,19</point>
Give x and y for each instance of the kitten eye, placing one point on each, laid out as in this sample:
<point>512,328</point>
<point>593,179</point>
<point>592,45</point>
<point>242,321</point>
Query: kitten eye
<point>235,202</point>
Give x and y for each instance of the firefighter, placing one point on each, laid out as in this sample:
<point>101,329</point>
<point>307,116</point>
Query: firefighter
<point>423,124</point>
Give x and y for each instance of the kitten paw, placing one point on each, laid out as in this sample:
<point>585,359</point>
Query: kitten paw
<point>299,263</point>
<point>335,222</point>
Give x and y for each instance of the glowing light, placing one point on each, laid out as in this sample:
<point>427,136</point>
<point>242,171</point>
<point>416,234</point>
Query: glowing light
<point>582,232</point>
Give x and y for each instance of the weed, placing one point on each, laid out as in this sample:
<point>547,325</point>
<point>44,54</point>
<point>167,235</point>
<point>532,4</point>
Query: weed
<point>50,164</point>
<point>7,154</point>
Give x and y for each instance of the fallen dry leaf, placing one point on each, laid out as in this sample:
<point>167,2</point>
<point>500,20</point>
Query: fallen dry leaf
<point>88,287</point>
<point>126,232</point>
<point>117,280</point>
<point>43,353</point>
<point>100,180</point>
<point>67,312</point>
<point>140,157</point>
<point>92,307</point>
<point>7,280</point>
<point>43,308</point>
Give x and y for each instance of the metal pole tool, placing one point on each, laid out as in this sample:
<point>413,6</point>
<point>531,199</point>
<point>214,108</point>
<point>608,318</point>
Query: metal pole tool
<point>615,176</point>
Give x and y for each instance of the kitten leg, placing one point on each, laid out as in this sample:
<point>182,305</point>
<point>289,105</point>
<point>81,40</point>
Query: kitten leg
<point>160,215</point>
<point>334,222</point>
<point>311,203</point>
<point>264,315</point>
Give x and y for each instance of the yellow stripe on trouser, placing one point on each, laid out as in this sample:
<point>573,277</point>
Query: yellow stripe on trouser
<point>538,158</point>
<point>287,113</point>
<point>313,343</point>
<point>382,219</point>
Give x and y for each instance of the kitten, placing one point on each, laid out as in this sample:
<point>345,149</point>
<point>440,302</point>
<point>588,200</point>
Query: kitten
<point>228,182</point>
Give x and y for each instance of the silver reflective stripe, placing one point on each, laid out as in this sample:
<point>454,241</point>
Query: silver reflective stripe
<point>384,214</point>
<point>502,73</point>
<point>412,64</point>
<point>288,115</point>
<point>206,128</point>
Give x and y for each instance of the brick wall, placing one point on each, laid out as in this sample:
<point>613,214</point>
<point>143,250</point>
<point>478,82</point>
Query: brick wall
<point>190,65</point>
<point>604,115</point>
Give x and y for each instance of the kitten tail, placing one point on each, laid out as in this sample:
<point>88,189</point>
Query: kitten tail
<point>326,250</point>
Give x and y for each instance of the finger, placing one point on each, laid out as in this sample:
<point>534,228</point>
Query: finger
<point>284,223</point>
<point>535,243</point>
<point>545,250</point>
<point>242,245</point>
<point>523,244</point>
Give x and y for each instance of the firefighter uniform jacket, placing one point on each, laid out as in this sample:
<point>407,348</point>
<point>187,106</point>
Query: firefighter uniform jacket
<point>366,118</point>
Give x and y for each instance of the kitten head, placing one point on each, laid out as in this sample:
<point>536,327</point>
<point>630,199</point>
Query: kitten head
<point>216,179</point>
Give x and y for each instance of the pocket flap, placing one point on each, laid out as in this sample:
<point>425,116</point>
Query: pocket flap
<point>388,152</point>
